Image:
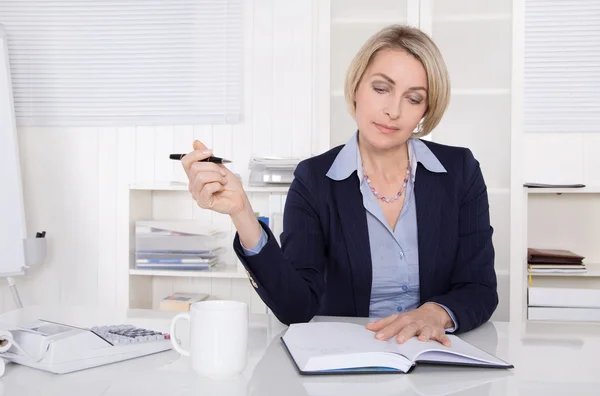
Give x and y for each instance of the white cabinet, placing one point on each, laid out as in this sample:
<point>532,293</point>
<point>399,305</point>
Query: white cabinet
<point>561,219</point>
<point>228,280</point>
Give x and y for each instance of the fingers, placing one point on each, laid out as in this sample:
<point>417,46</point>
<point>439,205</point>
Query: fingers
<point>425,333</point>
<point>202,179</point>
<point>200,152</point>
<point>443,339</point>
<point>203,167</point>
<point>198,145</point>
<point>407,325</point>
<point>430,333</point>
<point>381,323</point>
<point>393,328</point>
<point>205,198</point>
<point>407,332</point>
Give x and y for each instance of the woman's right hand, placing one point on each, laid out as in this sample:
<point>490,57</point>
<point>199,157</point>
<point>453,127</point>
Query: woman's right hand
<point>213,186</point>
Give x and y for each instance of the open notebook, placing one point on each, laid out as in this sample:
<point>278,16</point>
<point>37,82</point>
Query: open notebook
<point>333,347</point>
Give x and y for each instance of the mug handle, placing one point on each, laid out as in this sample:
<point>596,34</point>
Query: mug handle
<point>173,341</point>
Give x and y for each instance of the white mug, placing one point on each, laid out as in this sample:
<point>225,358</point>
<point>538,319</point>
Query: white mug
<point>218,337</point>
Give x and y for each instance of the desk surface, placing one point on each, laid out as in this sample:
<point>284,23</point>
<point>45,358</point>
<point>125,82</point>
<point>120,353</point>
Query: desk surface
<point>549,359</point>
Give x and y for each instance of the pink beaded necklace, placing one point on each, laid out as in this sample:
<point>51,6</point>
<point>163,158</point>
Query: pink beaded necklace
<point>398,194</point>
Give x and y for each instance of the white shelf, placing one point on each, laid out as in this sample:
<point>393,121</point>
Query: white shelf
<point>228,271</point>
<point>582,190</point>
<point>181,186</point>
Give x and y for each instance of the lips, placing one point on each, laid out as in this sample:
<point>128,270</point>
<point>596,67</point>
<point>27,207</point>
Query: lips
<point>385,128</point>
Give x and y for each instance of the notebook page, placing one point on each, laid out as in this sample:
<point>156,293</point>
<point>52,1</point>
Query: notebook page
<point>434,351</point>
<point>331,339</point>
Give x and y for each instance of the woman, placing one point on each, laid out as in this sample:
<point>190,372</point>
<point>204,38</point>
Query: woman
<point>387,226</point>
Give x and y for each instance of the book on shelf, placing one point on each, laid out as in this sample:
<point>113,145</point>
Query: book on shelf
<point>175,266</point>
<point>168,256</point>
<point>553,256</point>
<point>348,348</point>
<point>557,261</point>
<point>556,268</point>
<point>175,252</point>
<point>557,271</point>
<point>177,261</point>
<point>181,301</point>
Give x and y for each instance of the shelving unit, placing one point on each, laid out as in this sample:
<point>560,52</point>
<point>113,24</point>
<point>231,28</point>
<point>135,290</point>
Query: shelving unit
<point>562,218</point>
<point>553,218</point>
<point>227,271</point>
<point>171,200</point>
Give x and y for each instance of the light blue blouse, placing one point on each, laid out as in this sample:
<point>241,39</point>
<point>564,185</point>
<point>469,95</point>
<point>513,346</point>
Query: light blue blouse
<point>394,253</point>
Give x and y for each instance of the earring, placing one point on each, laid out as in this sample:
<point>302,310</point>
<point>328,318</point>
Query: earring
<point>419,127</point>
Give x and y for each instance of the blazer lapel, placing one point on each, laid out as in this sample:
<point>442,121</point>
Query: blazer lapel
<point>428,199</point>
<point>353,218</point>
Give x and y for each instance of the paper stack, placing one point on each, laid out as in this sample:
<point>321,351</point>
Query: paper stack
<point>271,171</point>
<point>554,261</point>
<point>178,245</point>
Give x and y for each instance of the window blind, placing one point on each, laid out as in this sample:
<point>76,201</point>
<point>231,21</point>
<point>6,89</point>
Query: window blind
<point>562,66</point>
<point>123,62</point>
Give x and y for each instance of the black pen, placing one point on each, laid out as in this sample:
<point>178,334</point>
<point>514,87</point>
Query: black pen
<point>215,160</point>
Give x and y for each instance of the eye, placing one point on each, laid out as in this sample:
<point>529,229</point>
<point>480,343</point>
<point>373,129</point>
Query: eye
<point>379,90</point>
<point>415,101</point>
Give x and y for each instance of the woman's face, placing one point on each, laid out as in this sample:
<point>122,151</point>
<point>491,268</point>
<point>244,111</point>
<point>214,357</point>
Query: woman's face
<point>391,99</point>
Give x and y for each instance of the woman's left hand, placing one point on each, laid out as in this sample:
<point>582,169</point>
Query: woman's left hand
<point>428,322</point>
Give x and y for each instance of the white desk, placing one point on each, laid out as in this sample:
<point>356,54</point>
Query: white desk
<point>549,359</point>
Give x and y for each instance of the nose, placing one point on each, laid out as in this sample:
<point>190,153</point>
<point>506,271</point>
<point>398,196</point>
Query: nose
<point>392,108</point>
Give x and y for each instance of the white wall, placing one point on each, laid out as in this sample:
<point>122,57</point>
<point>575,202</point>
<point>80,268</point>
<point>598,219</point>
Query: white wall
<point>562,157</point>
<point>75,178</point>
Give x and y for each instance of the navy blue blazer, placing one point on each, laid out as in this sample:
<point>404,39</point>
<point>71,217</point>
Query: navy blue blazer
<point>323,266</point>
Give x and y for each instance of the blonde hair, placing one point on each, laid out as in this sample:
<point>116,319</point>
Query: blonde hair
<point>418,44</point>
